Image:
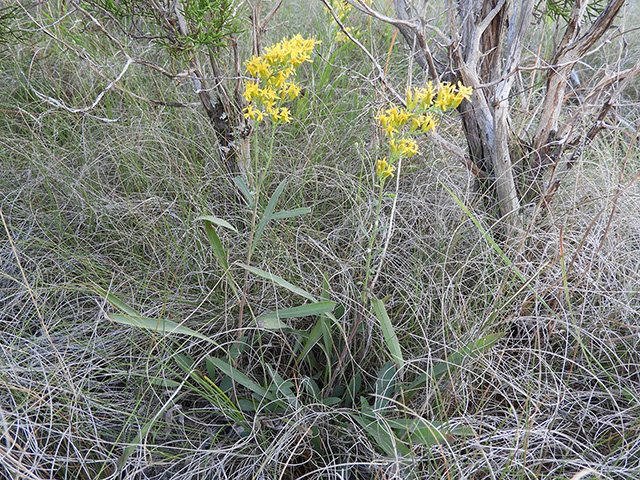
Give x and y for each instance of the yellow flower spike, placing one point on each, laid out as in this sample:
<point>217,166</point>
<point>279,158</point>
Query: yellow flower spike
<point>272,71</point>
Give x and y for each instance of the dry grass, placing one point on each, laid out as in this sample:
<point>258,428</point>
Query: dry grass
<point>87,203</point>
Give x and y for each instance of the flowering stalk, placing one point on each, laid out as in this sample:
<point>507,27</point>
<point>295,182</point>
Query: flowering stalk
<point>399,124</point>
<point>270,87</point>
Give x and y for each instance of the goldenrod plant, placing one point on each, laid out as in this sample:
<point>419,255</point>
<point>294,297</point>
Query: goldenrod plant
<point>346,310</point>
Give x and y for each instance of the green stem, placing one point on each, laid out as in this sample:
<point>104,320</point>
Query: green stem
<point>254,217</point>
<point>372,240</point>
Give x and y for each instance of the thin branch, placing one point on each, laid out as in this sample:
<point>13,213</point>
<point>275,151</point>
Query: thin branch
<point>60,104</point>
<point>375,63</point>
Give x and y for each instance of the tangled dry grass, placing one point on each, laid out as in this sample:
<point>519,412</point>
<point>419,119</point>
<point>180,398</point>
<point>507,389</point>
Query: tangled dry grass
<point>87,204</point>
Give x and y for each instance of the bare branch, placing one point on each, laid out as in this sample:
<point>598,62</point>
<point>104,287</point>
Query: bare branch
<point>60,104</point>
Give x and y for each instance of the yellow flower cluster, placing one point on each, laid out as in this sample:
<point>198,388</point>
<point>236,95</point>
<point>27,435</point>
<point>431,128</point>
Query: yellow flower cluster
<point>383,169</point>
<point>271,85</point>
<point>450,96</point>
<point>416,118</point>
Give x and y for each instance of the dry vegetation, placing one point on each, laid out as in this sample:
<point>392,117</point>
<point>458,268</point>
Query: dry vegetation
<point>90,206</point>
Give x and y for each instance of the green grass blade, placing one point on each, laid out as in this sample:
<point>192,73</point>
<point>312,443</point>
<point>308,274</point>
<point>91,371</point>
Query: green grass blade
<point>216,246</point>
<point>238,376</point>
<point>217,221</point>
<point>115,301</point>
<point>385,386</point>
<point>242,186</point>
<point>296,212</point>
<point>267,216</point>
<point>308,310</point>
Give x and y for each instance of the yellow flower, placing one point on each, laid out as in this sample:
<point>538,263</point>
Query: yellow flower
<point>462,94</point>
<point>446,97</point>
<point>281,115</point>
<point>383,169</point>
<point>257,67</point>
<point>290,90</point>
<point>253,113</point>
<point>422,122</point>
<point>426,95</point>
<point>405,148</point>
<point>251,91</point>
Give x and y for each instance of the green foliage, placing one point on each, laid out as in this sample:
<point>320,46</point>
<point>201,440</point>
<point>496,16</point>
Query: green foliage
<point>208,23</point>
<point>562,9</point>
<point>7,15</point>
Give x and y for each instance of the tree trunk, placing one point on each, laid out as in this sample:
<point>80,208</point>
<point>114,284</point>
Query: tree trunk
<point>478,57</point>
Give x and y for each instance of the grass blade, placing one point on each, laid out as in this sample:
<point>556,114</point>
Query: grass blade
<point>238,376</point>
<point>267,216</point>
<point>296,212</point>
<point>217,221</point>
<point>157,325</point>
<point>216,246</point>
<point>308,310</point>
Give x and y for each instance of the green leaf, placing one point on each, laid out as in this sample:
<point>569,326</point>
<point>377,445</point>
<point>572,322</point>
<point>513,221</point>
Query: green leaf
<point>267,215</point>
<point>308,310</point>
<point>280,282</point>
<point>116,302</point>
<point>419,430</point>
<point>217,221</point>
<point>296,212</point>
<point>274,324</point>
<point>157,325</point>
<point>385,386</point>
<point>239,181</point>
<point>314,337</point>
<point>388,332</point>
<point>216,246</point>
<point>282,388</point>
<point>240,377</point>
